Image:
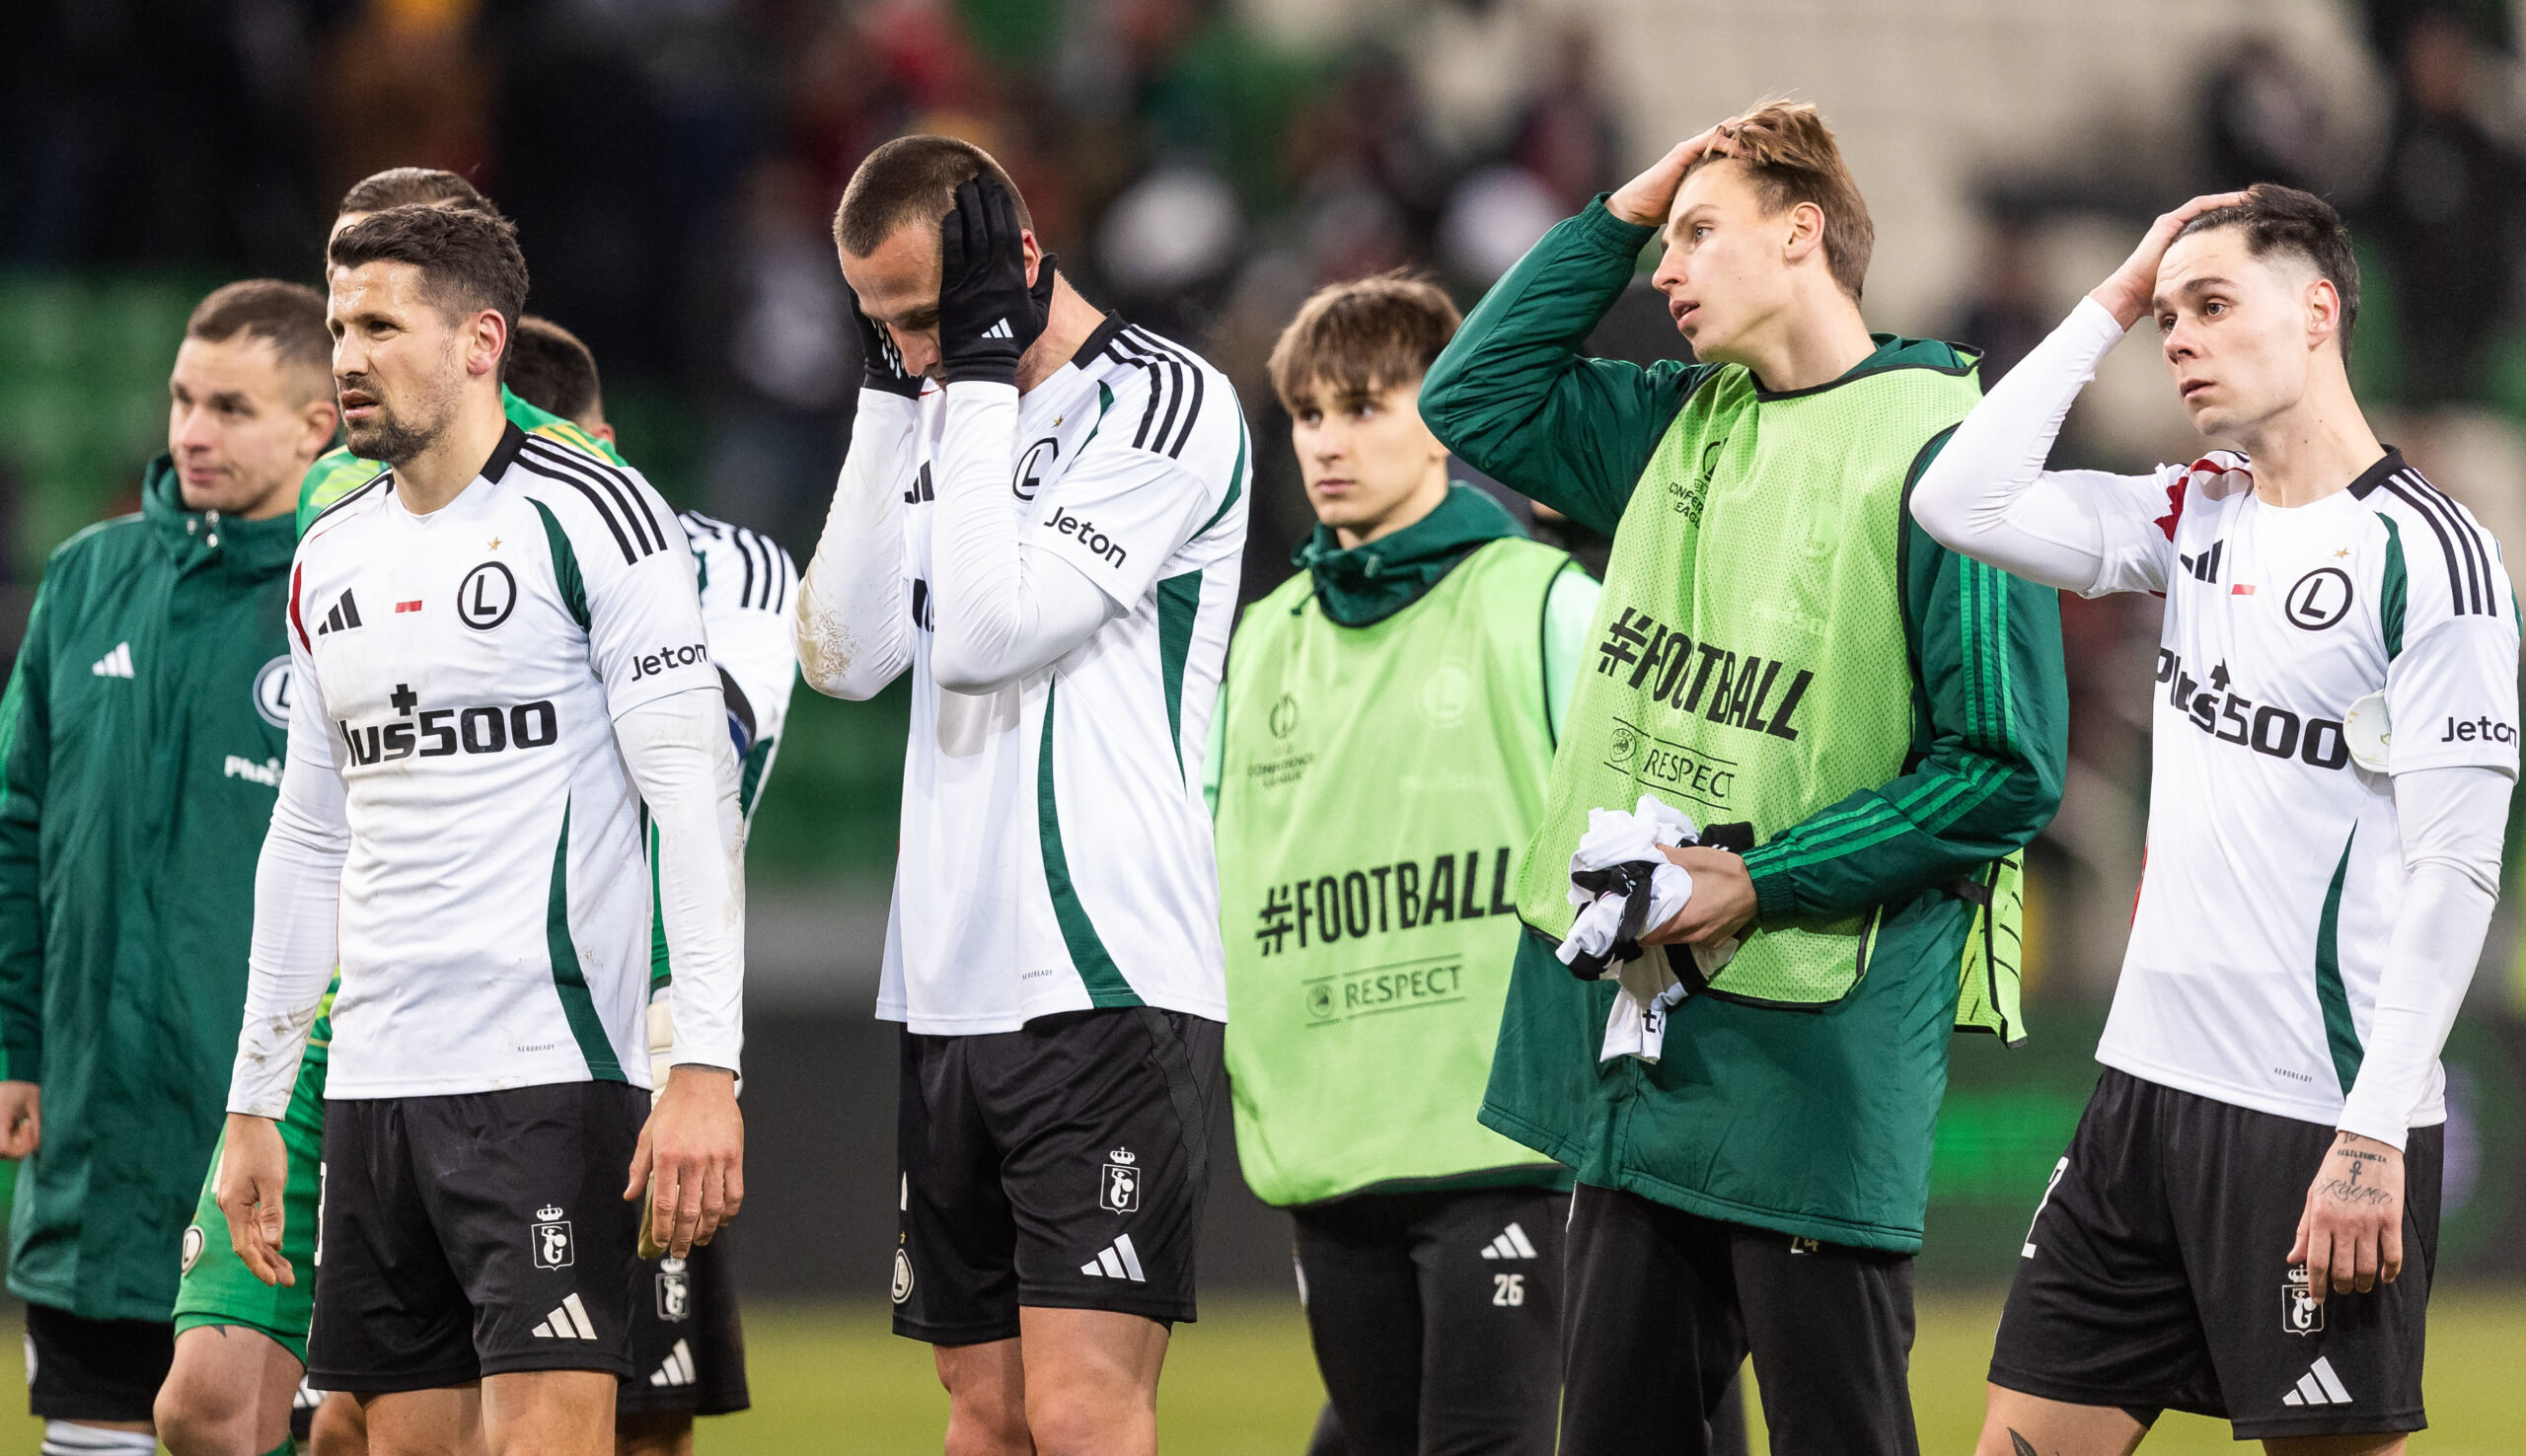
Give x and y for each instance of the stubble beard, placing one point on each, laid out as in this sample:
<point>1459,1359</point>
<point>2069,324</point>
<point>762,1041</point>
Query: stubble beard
<point>394,438</point>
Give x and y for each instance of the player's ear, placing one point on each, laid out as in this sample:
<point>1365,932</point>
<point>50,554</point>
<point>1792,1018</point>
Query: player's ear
<point>1805,231</point>
<point>2324,312</point>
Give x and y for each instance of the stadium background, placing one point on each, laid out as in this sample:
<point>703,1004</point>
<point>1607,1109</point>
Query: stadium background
<point>1202,163</point>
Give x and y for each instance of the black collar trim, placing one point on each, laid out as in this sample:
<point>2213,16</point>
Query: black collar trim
<point>1102,340</point>
<point>512,440</point>
<point>2386,466</point>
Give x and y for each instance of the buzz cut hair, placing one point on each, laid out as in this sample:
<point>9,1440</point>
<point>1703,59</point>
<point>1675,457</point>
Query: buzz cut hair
<point>913,180</point>
<point>2296,224</point>
<point>414,187</point>
<point>289,315</point>
<point>1361,338</point>
<point>1791,157</point>
<point>468,261</point>
<point>552,370</point>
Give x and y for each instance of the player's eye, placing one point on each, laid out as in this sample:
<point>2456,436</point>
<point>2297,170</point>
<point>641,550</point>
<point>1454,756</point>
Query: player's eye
<point>1311,417</point>
<point>2213,309</point>
<point>1366,411</point>
<point>1700,231</point>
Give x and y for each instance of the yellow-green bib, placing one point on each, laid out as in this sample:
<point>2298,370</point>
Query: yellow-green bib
<point>1376,788</point>
<point>1749,658</point>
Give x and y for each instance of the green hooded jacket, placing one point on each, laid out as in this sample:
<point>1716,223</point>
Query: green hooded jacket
<point>140,748</point>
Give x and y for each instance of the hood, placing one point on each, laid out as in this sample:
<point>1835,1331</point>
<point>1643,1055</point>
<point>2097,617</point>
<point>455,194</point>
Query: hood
<point>1377,579</point>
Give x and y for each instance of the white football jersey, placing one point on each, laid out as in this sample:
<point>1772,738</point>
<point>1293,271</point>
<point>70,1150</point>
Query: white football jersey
<point>2275,867</point>
<point>1056,853</point>
<point>462,671</point>
<point>747,582</point>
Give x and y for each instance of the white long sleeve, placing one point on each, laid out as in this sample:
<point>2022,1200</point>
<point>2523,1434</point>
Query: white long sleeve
<point>1004,610</point>
<point>681,761</point>
<point>298,887</point>
<point>1988,494</point>
<point>2452,821</point>
<point>855,619</point>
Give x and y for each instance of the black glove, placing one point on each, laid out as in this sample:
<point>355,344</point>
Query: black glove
<point>881,363</point>
<point>987,317</point>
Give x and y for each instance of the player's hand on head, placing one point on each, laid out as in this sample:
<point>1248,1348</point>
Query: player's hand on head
<point>692,1154</point>
<point>20,1120</point>
<point>881,363</point>
<point>2351,1233</point>
<point>254,1176</point>
<point>2127,294</point>
<point>1646,198</point>
<point>986,311</point>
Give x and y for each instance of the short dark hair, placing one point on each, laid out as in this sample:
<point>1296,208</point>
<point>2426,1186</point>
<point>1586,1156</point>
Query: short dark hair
<point>1363,337</point>
<point>2279,219</point>
<point>549,369</point>
<point>414,187</point>
<point>911,179</point>
<point>468,261</point>
<point>290,315</point>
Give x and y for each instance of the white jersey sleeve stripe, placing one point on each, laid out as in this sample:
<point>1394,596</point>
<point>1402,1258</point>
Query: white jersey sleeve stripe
<point>2468,584</point>
<point>622,541</point>
<point>626,492</point>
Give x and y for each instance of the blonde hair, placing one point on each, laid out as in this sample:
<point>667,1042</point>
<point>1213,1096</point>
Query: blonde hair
<point>1790,155</point>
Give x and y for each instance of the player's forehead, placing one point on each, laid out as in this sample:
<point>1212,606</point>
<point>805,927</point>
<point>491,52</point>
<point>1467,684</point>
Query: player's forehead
<point>243,363</point>
<point>1723,187</point>
<point>900,275</point>
<point>2216,258</point>
<point>383,288</point>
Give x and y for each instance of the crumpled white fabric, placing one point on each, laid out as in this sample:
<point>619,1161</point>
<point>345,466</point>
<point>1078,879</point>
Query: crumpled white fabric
<point>1637,1024</point>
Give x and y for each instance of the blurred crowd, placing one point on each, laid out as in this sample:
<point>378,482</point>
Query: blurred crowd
<point>673,166</point>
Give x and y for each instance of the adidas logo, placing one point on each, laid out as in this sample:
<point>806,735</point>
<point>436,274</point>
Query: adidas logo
<point>115,664</point>
<point>1118,1260</point>
<point>1000,330</point>
<point>1512,1244</point>
<point>570,1322</point>
<point>678,1370</point>
<point>2320,1386</point>
<point>344,616</point>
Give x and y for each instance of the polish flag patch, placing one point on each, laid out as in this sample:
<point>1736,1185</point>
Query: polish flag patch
<point>408,606</point>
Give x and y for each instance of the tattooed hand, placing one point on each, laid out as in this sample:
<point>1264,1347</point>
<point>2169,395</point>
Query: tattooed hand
<point>2352,1234</point>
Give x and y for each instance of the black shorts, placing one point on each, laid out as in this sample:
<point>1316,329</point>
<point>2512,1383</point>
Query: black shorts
<point>1061,1165</point>
<point>1436,1317</point>
<point>473,1235</point>
<point>95,1369</point>
<point>688,1350</point>
<point>2152,1276</point>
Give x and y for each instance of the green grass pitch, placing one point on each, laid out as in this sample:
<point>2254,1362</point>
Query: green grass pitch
<point>830,1378</point>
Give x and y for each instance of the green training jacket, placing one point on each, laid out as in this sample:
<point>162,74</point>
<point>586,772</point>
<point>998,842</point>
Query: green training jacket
<point>1811,1122</point>
<point>140,751</point>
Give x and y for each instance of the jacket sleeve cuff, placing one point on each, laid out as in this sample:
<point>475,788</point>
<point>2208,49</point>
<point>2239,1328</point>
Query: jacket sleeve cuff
<point>1775,897</point>
<point>1597,222</point>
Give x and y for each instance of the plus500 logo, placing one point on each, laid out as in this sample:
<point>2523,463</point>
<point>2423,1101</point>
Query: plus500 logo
<point>443,733</point>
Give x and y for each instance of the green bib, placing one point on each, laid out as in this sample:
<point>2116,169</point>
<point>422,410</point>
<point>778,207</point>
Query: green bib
<point>1375,786</point>
<point>1750,661</point>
